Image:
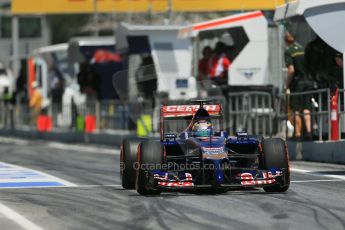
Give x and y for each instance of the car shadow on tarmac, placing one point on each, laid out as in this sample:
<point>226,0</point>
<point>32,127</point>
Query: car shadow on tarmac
<point>232,192</point>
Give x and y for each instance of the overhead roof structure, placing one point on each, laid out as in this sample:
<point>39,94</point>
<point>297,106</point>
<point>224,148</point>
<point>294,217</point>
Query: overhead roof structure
<point>254,23</point>
<point>126,29</point>
<point>297,8</point>
<point>52,48</point>
<point>326,18</point>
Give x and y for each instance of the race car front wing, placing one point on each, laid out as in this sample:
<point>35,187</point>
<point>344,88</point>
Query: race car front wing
<point>246,178</point>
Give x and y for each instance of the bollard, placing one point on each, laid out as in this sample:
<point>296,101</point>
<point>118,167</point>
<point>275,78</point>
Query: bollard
<point>90,124</point>
<point>44,123</point>
<point>335,117</point>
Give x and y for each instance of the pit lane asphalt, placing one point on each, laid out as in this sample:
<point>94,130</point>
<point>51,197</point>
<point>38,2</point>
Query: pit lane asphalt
<point>316,199</point>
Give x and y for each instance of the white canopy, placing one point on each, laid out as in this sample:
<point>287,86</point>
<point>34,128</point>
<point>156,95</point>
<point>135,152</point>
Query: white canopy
<point>326,18</point>
<point>254,23</point>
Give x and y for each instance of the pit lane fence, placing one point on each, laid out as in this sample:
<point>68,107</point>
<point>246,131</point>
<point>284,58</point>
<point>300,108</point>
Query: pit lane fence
<point>317,103</point>
<point>109,116</point>
<point>258,113</point>
<point>253,112</point>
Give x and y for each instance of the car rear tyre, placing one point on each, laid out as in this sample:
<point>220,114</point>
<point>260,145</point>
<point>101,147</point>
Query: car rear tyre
<point>275,155</point>
<point>128,158</point>
<point>150,157</point>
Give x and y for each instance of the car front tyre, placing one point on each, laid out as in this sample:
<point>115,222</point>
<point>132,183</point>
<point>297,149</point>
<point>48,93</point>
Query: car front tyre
<point>150,154</point>
<point>275,155</point>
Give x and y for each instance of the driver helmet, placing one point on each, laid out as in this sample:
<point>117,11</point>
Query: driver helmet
<point>202,128</point>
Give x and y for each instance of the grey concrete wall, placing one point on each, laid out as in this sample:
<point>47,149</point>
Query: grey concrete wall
<point>330,151</point>
<point>68,137</point>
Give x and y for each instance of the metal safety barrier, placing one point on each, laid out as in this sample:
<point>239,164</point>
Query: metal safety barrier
<point>318,102</point>
<point>251,111</point>
<point>258,113</point>
<point>110,115</point>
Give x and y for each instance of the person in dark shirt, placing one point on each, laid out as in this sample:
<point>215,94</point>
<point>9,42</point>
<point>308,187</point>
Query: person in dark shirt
<point>57,85</point>
<point>298,81</point>
<point>336,74</point>
<point>319,59</point>
<point>203,65</point>
<point>88,80</point>
<point>146,78</point>
<point>219,65</point>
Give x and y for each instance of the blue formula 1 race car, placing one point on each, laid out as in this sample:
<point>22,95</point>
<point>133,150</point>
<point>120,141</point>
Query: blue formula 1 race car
<point>195,153</point>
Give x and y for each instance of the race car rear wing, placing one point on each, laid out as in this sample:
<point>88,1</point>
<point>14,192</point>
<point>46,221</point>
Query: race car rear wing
<point>171,111</point>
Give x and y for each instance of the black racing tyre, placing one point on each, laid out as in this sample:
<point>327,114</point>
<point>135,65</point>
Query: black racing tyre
<point>275,155</point>
<point>128,158</point>
<point>150,155</point>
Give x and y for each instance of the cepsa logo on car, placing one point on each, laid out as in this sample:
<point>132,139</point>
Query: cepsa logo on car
<point>189,108</point>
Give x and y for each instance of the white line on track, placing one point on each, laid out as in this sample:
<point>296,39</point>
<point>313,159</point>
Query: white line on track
<point>316,181</point>
<point>58,187</point>
<point>18,219</point>
<point>317,173</point>
<point>62,146</point>
<point>98,186</point>
<point>52,178</point>
<point>88,149</point>
<point>120,186</point>
<point>10,140</point>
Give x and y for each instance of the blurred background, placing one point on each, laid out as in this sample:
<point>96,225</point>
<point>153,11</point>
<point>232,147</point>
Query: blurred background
<point>108,66</point>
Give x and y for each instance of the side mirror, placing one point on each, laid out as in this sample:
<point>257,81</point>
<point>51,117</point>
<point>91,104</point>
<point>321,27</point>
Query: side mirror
<point>170,136</point>
<point>222,134</point>
<point>184,135</point>
<point>241,134</point>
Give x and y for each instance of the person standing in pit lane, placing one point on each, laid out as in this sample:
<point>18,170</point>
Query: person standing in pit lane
<point>219,65</point>
<point>336,73</point>
<point>298,81</point>
<point>203,63</point>
<point>35,102</point>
